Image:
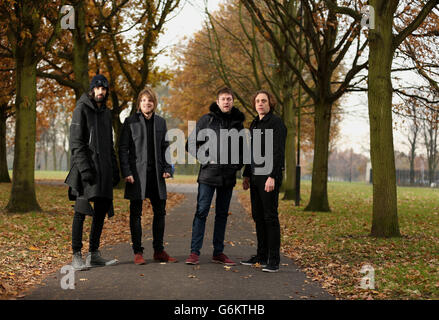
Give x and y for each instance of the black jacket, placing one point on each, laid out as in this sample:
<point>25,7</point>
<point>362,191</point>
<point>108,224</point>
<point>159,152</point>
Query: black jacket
<point>133,155</point>
<point>91,144</point>
<point>214,173</point>
<point>269,121</point>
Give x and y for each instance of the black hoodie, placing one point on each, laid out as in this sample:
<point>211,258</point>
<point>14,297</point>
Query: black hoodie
<point>216,174</point>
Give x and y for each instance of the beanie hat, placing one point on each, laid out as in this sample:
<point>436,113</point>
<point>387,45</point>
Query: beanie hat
<point>99,80</point>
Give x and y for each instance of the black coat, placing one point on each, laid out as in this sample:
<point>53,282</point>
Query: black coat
<point>91,144</point>
<point>133,155</point>
<point>216,174</point>
<point>269,121</point>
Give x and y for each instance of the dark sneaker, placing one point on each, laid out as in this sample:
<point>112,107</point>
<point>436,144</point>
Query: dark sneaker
<point>78,263</point>
<point>271,268</point>
<point>94,259</point>
<point>138,259</point>
<point>193,259</point>
<point>162,256</point>
<point>222,258</point>
<point>254,260</point>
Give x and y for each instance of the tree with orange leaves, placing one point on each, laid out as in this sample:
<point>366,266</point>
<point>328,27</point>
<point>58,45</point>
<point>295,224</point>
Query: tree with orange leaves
<point>7,91</point>
<point>31,28</point>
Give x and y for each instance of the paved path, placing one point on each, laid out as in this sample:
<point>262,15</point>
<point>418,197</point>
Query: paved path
<point>178,281</point>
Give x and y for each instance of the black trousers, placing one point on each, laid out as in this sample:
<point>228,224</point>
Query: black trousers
<point>266,217</point>
<point>101,207</point>
<point>158,222</point>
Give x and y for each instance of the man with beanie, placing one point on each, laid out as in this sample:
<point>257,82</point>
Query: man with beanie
<point>93,172</point>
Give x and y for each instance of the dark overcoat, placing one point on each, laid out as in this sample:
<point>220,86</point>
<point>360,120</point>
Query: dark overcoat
<point>91,145</point>
<point>133,155</point>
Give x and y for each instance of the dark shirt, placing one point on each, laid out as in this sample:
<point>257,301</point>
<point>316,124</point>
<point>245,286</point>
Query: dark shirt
<point>150,142</point>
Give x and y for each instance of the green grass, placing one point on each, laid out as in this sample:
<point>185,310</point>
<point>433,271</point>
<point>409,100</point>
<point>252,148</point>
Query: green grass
<point>333,246</point>
<point>47,175</point>
<point>61,175</point>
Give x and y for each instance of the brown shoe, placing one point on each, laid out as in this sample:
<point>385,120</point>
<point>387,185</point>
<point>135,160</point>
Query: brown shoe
<point>163,257</point>
<point>138,259</point>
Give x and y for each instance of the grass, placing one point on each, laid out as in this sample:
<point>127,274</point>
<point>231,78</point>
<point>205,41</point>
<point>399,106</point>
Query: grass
<point>332,247</point>
<point>35,244</point>
<point>61,175</point>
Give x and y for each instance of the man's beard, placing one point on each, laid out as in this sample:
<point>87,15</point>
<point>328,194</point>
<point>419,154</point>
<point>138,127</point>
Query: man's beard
<point>99,98</point>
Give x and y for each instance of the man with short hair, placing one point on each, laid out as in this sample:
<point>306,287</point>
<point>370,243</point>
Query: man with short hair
<point>215,177</point>
<point>94,170</point>
<point>142,150</point>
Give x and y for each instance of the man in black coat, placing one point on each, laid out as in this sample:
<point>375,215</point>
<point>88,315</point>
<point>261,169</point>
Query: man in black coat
<point>265,181</point>
<point>142,150</point>
<point>215,176</point>
<point>94,170</point>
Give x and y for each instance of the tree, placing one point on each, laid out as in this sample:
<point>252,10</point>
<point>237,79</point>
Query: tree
<point>7,91</point>
<point>230,32</point>
<point>31,28</point>
<point>68,60</point>
<point>430,135</point>
<point>139,70</point>
<point>383,43</point>
<point>330,37</point>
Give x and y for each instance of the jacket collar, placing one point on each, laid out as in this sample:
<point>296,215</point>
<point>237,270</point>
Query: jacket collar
<point>265,118</point>
<point>235,114</point>
<point>141,116</point>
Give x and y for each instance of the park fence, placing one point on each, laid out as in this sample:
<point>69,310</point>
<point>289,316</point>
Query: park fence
<point>420,178</point>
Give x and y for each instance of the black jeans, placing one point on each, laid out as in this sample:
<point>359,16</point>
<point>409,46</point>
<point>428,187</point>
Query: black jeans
<point>158,222</point>
<point>265,214</point>
<point>101,207</point>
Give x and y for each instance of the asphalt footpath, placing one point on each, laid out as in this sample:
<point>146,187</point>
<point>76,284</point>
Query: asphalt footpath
<point>179,281</point>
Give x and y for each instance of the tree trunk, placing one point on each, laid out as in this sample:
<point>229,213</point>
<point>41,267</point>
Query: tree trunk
<point>4,174</point>
<point>23,197</point>
<point>290,150</point>
<point>385,214</point>
<point>54,151</point>
<point>319,188</point>
<point>412,167</point>
<point>80,51</point>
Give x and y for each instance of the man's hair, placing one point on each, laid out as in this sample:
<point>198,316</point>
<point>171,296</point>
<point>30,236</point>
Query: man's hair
<point>150,93</point>
<point>225,90</point>
<point>271,99</point>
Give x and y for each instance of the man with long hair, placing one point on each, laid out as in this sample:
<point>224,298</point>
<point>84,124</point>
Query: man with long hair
<point>264,188</point>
